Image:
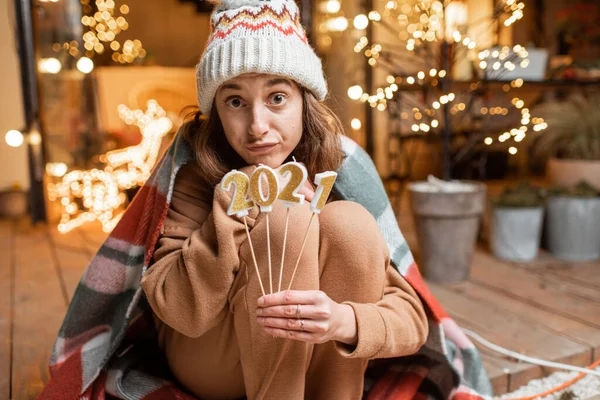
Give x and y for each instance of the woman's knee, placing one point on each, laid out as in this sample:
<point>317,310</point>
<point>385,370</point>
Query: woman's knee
<point>347,222</point>
<point>349,235</point>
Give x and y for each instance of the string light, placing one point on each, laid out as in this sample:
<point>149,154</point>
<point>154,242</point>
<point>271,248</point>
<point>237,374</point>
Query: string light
<point>355,124</point>
<point>90,195</point>
<point>103,28</point>
<point>14,138</point>
<point>418,23</point>
<point>49,65</point>
<point>361,22</point>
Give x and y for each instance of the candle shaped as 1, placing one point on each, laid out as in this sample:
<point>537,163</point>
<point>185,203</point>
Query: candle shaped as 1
<point>324,182</point>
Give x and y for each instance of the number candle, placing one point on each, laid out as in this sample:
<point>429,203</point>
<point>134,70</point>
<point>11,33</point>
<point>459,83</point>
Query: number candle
<point>261,174</point>
<point>324,182</point>
<point>240,205</point>
<point>290,197</point>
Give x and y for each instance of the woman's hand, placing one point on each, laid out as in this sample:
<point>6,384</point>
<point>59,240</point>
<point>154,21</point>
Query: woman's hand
<point>307,315</point>
<point>308,191</point>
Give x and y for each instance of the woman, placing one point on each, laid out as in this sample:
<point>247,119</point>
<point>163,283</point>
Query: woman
<point>261,86</point>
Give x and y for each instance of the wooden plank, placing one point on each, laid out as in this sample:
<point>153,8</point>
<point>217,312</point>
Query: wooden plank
<point>39,307</point>
<point>72,265</point>
<point>564,326</point>
<point>498,375</point>
<point>72,259</point>
<point>513,332</point>
<point>506,375</point>
<point>6,260</point>
<point>94,235</point>
<point>584,273</point>
<point>530,288</point>
<point>72,241</point>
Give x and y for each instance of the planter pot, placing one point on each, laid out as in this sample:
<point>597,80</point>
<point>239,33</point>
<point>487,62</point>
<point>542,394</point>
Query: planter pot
<point>447,224</point>
<point>573,228</point>
<point>516,232</point>
<point>13,204</point>
<point>569,173</point>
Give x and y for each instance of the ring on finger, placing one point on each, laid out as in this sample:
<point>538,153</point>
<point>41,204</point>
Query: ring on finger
<point>302,325</point>
<point>298,309</point>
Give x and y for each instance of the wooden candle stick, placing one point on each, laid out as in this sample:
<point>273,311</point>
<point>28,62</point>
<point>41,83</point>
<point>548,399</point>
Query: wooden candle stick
<point>265,202</point>
<point>240,205</point>
<point>290,197</point>
<point>324,182</point>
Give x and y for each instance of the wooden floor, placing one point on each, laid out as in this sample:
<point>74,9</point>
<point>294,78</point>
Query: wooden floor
<point>546,309</point>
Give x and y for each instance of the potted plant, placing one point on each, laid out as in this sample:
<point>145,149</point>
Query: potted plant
<point>447,218</point>
<point>571,143</point>
<point>517,217</point>
<point>573,223</point>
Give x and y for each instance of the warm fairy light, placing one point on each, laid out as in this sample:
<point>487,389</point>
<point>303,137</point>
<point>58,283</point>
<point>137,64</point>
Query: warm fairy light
<point>419,23</point>
<point>374,16</point>
<point>361,22</point>
<point>331,6</point>
<point>355,124</point>
<point>85,65</point>
<point>90,195</point>
<point>104,26</point>
<point>355,92</point>
<point>512,150</point>
<point>14,138</point>
<point>338,24</point>
<point>49,65</point>
<point>57,170</point>
<point>35,138</point>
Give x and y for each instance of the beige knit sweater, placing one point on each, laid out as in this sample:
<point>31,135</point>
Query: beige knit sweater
<point>197,258</point>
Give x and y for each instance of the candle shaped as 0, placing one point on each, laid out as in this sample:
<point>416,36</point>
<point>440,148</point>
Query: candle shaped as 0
<point>256,188</point>
<point>298,175</point>
<point>239,203</point>
<point>261,174</point>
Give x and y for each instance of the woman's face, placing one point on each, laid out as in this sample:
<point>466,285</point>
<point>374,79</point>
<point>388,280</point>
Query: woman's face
<point>261,116</point>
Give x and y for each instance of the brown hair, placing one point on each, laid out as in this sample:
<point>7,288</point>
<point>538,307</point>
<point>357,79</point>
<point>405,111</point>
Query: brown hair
<point>319,147</point>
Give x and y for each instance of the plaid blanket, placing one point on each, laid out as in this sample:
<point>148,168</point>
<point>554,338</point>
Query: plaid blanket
<point>107,343</point>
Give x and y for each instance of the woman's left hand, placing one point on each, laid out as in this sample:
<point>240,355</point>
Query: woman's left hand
<point>307,315</point>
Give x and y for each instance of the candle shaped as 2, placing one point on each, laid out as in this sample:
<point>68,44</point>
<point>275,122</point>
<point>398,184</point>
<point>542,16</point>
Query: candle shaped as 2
<point>289,196</point>
<point>298,175</point>
<point>240,205</point>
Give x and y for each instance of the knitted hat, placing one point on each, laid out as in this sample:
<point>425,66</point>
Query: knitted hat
<point>261,36</point>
